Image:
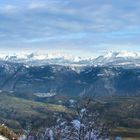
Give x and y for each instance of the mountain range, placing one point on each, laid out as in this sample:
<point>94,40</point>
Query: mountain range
<point>112,74</point>
<point>124,58</point>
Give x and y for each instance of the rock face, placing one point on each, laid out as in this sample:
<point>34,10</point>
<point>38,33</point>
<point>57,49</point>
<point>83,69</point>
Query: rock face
<point>69,80</point>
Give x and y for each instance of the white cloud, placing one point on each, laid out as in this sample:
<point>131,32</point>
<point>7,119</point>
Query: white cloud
<point>51,22</point>
<point>8,9</point>
<point>35,6</point>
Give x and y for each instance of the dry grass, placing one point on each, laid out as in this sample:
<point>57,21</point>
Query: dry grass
<point>6,132</point>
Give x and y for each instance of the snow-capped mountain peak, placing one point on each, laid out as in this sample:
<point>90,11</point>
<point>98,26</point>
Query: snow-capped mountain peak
<point>117,58</point>
<point>123,54</point>
<point>44,58</point>
<point>122,58</point>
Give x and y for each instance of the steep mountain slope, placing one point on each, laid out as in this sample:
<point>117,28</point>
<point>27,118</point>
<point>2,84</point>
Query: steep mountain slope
<point>115,73</point>
<point>69,80</point>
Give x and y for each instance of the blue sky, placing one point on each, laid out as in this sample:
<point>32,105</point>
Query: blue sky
<point>83,27</point>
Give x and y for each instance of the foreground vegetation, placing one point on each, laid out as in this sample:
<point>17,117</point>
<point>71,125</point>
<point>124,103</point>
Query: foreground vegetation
<point>121,114</point>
